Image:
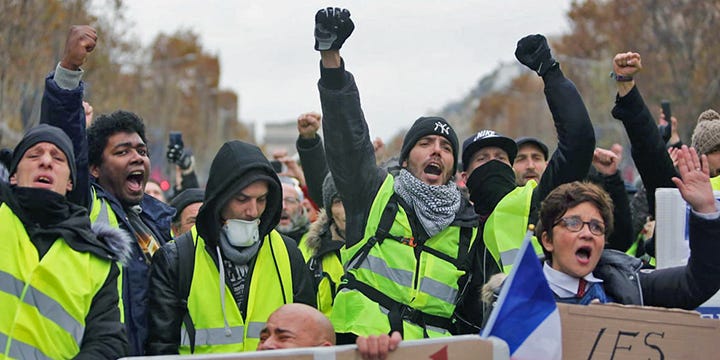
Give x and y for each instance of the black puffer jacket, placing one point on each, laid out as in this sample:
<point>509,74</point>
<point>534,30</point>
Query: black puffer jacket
<point>685,287</point>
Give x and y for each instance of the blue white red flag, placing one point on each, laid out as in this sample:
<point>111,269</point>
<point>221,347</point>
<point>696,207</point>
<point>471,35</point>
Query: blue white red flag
<point>526,315</point>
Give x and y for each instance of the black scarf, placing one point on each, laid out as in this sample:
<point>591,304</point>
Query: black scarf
<point>488,184</point>
<point>48,216</point>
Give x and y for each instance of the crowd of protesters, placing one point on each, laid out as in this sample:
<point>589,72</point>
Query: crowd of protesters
<point>335,249</point>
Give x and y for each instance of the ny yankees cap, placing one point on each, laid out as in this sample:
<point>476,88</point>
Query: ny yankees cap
<point>429,126</point>
<point>485,138</point>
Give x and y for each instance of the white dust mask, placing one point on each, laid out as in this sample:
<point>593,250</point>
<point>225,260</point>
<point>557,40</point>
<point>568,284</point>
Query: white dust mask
<point>242,233</point>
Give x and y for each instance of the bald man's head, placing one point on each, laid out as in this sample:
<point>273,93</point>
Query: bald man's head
<point>296,325</point>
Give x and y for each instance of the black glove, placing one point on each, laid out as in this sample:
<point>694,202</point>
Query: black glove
<point>176,154</point>
<point>332,27</point>
<point>533,51</point>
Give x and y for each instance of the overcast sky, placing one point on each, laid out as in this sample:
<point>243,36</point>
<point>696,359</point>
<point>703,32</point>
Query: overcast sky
<point>409,57</point>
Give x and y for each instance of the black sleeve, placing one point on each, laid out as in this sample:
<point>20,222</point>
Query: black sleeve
<point>349,152</point>
<point>104,336</point>
<point>622,237</point>
<point>312,158</point>
<point>648,148</point>
<point>164,311</point>
<point>687,287</point>
<point>303,286</point>
<point>576,137</point>
<point>189,181</point>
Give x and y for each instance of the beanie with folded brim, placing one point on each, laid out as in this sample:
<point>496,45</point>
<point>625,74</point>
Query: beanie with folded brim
<point>425,126</point>
<point>185,198</point>
<point>48,134</point>
<point>706,136</point>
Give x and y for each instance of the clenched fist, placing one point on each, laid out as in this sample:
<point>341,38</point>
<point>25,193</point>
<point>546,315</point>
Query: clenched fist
<point>332,27</point>
<point>81,41</point>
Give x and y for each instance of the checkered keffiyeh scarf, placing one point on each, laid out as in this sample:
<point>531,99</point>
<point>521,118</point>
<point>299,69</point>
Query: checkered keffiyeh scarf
<point>434,205</point>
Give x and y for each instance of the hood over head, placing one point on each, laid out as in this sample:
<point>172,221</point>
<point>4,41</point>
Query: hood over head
<point>236,165</point>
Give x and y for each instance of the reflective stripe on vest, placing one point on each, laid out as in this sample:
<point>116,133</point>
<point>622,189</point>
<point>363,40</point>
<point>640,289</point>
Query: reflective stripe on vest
<point>102,213</point>
<point>506,227</point>
<point>715,182</point>
<point>43,304</point>
<point>265,296</point>
<point>330,270</point>
<point>427,283</point>
<point>21,350</point>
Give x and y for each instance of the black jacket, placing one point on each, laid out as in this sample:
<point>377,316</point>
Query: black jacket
<point>576,143</point>
<point>351,160</point>
<point>685,287</point>
<point>236,166</point>
<point>622,236</point>
<point>312,157</point>
<point>48,216</point>
<point>648,148</point>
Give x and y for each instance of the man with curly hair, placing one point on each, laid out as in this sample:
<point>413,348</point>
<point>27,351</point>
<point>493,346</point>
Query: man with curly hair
<point>113,167</point>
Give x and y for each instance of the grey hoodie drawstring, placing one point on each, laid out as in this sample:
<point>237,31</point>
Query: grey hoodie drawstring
<point>228,332</point>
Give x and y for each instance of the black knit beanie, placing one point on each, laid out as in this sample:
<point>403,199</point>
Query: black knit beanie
<point>429,126</point>
<point>49,134</point>
<point>185,198</point>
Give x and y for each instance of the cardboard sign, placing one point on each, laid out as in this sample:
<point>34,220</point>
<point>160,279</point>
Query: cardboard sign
<point>465,347</point>
<point>617,332</point>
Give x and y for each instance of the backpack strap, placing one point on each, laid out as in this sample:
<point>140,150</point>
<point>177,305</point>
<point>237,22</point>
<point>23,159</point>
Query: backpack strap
<point>186,262</point>
<point>383,231</point>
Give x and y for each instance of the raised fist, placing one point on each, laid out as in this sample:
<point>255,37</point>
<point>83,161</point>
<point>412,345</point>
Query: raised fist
<point>533,51</point>
<point>81,41</point>
<point>308,125</point>
<point>627,64</point>
<point>332,27</point>
<point>606,161</point>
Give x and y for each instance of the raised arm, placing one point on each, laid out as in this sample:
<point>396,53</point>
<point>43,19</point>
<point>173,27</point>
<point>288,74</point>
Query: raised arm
<point>576,137</point>
<point>648,149</point>
<point>691,285</point>
<point>62,103</point>
<point>309,146</point>
<point>348,149</point>
<point>606,163</point>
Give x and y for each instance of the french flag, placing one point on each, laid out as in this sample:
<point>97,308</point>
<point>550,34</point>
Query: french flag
<point>526,315</point>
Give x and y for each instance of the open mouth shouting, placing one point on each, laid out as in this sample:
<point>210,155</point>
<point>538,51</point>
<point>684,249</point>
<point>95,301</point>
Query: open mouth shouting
<point>433,168</point>
<point>136,182</point>
<point>583,254</point>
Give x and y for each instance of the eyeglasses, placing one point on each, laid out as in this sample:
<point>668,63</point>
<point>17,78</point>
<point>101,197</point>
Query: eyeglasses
<point>575,224</point>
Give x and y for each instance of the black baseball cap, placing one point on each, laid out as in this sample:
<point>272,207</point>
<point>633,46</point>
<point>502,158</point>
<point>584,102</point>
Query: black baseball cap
<point>535,141</point>
<point>485,138</point>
